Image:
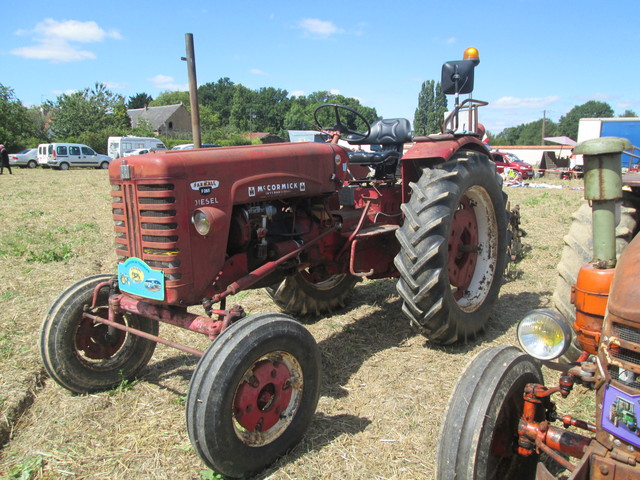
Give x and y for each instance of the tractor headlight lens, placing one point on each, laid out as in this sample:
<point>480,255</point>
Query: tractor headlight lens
<point>201,221</point>
<point>544,334</point>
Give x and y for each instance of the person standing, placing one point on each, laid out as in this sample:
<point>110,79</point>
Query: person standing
<point>4,160</point>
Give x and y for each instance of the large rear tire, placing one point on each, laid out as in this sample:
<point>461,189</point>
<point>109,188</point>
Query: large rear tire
<point>253,394</point>
<point>453,248</point>
<point>479,434</point>
<point>83,356</point>
<point>578,251</point>
<point>303,295</point>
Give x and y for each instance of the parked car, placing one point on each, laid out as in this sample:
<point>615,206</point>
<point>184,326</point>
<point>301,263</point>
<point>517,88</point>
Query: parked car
<point>42,154</point>
<point>137,151</point>
<point>122,146</point>
<point>510,160</point>
<point>66,155</point>
<point>25,158</point>
<point>187,146</point>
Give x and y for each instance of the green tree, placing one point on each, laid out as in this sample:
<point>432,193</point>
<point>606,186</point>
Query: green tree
<point>218,96</point>
<point>568,124</point>
<point>16,125</point>
<point>425,106</point>
<point>172,98</point>
<point>299,116</point>
<point>441,107</point>
<point>241,108</point>
<point>432,105</point>
<point>40,118</point>
<point>90,110</point>
<point>270,106</point>
<point>629,113</point>
<point>139,100</point>
<point>525,134</point>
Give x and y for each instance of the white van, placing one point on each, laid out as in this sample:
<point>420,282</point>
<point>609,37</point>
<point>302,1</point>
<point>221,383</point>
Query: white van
<point>66,155</point>
<point>118,146</point>
<point>42,154</point>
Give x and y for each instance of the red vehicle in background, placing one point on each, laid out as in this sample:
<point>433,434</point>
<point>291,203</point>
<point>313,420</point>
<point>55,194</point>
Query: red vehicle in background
<point>510,160</point>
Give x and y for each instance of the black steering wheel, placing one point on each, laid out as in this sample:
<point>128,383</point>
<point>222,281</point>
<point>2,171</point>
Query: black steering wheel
<point>340,127</point>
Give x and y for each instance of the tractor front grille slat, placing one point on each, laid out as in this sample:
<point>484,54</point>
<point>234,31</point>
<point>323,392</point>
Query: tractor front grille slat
<point>625,332</point>
<point>622,349</point>
<point>146,225</point>
<point>625,377</point>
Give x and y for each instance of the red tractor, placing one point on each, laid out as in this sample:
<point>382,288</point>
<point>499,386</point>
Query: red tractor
<point>306,221</point>
<point>501,422</point>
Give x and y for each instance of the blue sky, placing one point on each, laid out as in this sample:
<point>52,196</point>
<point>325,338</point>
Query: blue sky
<point>536,55</point>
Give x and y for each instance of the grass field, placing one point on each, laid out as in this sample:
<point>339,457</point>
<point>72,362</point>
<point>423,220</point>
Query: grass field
<point>384,388</point>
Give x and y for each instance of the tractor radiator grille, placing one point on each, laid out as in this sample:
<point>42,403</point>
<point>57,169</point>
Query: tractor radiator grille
<point>145,217</point>
<point>623,353</point>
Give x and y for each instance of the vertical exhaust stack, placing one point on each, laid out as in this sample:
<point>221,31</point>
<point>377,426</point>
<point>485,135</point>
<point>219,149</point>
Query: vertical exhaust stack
<point>603,189</point>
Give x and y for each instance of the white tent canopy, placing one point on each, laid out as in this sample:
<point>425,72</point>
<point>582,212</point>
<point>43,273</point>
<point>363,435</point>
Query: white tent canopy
<point>561,140</point>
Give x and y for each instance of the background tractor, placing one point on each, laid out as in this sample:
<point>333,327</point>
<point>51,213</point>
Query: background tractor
<point>501,422</point>
<point>306,221</point>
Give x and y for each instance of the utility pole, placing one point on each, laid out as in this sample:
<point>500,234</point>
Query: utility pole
<point>544,125</point>
<point>193,90</point>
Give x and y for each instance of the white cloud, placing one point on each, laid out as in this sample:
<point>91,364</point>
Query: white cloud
<point>256,71</point>
<point>115,85</point>
<point>165,82</point>
<point>518,103</point>
<point>334,91</point>
<point>55,51</point>
<point>297,93</point>
<point>54,41</point>
<point>451,40</point>
<point>319,28</point>
<point>65,92</point>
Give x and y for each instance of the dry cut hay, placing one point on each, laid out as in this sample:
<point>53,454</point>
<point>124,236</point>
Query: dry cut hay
<point>384,390</point>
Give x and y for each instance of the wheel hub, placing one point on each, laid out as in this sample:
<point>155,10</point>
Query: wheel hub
<point>463,247</point>
<point>264,396</point>
<point>97,341</point>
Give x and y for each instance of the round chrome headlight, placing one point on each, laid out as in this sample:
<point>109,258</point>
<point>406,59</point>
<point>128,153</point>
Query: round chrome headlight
<point>201,221</point>
<point>544,334</point>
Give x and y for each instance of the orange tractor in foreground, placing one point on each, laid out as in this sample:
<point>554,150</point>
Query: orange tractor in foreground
<point>501,422</point>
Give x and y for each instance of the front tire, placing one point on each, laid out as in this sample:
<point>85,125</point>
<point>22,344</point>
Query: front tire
<point>479,435</point>
<point>83,356</point>
<point>453,248</point>
<point>301,294</point>
<point>253,394</point>
<point>32,164</point>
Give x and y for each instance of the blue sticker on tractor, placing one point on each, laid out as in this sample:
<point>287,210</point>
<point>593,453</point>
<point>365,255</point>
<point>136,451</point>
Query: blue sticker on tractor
<point>620,414</point>
<point>138,278</point>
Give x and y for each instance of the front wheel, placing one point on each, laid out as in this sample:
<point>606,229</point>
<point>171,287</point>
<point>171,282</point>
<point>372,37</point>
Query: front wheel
<point>32,164</point>
<point>83,356</point>
<point>479,435</point>
<point>253,394</point>
<point>307,294</point>
<point>453,248</point>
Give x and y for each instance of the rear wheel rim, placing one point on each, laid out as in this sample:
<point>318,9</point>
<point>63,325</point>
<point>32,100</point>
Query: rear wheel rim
<point>473,249</point>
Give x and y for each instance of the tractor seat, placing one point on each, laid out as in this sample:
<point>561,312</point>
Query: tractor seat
<point>373,158</point>
<point>391,134</point>
<point>390,131</point>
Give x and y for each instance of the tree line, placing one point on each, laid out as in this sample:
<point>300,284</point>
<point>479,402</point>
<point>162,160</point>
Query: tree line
<point>229,110</point>
<point>532,133</point>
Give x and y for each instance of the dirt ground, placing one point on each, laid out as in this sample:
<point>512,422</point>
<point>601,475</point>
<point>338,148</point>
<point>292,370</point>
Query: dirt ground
<point>384,388</point>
